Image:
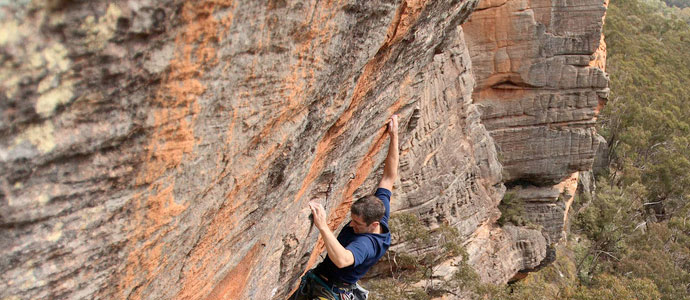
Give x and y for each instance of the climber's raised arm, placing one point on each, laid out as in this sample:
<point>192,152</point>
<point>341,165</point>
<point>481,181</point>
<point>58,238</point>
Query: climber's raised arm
<point>390,169</point>
<point>361,243</point>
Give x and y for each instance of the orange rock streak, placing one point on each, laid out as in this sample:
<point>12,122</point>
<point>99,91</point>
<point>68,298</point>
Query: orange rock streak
<point>232,286</point>
<point>600,55</point>
<point>297,84</point>
<point>171,140</point>
<point>402,22</point>
<point>568,186</point>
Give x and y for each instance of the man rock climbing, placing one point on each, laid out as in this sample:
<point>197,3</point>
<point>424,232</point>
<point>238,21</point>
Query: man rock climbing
<point>360,244</point>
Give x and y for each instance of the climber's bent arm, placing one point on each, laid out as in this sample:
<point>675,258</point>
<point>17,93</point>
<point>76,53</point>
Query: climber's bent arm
<point>340,256</point>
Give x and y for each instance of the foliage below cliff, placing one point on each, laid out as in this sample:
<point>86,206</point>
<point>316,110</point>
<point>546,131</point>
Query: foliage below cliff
<point>672,8</point>
<point>632,241</point>
<point>646,121</point>
<point>678,3</point>
<point>412,274</point>
<point>641,214</point>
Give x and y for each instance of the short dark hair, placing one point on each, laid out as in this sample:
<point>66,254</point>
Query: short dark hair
<point>370,208</point>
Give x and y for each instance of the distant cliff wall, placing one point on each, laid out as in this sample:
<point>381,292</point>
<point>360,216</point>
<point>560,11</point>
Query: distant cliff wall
<point>167,149</point>
<point>539,67</point>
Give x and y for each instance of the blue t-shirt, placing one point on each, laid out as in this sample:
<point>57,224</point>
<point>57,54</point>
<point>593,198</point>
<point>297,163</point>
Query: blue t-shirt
<point>367,248</point>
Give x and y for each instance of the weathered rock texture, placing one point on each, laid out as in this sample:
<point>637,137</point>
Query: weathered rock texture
<point>167,149</point>
<point>540,84</point>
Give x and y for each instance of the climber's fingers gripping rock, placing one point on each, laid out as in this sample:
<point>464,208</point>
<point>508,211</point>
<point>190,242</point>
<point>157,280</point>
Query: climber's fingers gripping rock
<point>393,125</point>
<point>319,214</point>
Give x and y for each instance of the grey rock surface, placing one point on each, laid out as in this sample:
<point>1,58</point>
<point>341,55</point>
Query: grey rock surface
<point>167,149</point>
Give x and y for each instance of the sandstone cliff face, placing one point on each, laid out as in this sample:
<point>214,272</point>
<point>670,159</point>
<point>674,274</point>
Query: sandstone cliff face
<point>540,84</point>
<point>167,149</point>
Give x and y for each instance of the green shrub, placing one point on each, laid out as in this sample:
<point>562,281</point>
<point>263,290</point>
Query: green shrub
<point>412,273</point>
<point>512,210</point>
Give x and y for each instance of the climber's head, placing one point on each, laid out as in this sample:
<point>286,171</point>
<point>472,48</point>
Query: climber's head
<point>366,213</point>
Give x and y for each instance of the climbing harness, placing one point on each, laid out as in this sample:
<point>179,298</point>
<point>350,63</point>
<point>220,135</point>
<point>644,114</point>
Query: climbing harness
<point>333,292</point>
